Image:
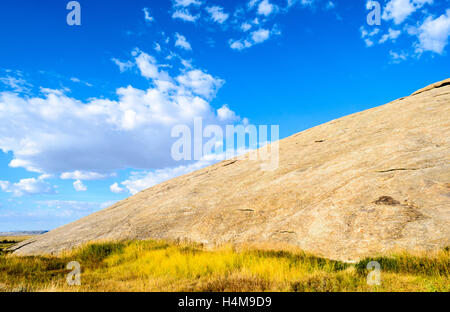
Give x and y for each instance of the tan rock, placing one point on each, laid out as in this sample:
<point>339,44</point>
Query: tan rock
<point>364,184</point>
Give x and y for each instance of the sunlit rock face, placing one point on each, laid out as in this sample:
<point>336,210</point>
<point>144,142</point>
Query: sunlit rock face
<point>373,182</point>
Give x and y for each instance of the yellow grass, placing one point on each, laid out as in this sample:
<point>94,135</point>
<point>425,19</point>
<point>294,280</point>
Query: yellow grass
<point>163,266</point>
<point>8,241</point>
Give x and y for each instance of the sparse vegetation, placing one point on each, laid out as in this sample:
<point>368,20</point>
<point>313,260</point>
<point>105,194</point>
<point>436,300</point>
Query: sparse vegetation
<point>163,266</point>
<point>8,241</point>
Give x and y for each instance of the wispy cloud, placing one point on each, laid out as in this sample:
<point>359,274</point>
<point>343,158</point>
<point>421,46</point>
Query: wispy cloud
<point>185,15</point>
<point>217,14</point>
<point>180,41</point>
<point>123,66</point>
<point>147,15</point>
<point>31,186</point>
<point>255,37</point>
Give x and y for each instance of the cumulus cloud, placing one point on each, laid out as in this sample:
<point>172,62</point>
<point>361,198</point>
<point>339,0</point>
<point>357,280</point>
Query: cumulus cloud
<point>115,188</point>
<point>266,8</point>
<point>225,113</point>
<point>217,14</point>
<point>200,83</point>
<point>433,34</point>
<point>246,27</point>
<point>79,186</point>
<point>84,140</point>
<point>239,44</point>
<point>31,186</point>
<point>182,42</point>
<point>399,10</point>
<point>260,35</point>
<point>148,66</point>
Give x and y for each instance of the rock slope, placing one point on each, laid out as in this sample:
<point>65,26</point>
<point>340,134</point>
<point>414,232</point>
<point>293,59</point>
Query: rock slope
<point>368,183</point>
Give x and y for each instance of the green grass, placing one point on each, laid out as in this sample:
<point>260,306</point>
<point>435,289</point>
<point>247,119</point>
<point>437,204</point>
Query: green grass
<point>163,266</point>
<point>8,241</point>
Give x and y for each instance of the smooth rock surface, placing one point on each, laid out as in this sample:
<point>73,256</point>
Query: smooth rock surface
<point>365,184</point>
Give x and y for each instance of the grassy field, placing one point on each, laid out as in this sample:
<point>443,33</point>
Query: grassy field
<point>8,241</point>
<point>162,266</point>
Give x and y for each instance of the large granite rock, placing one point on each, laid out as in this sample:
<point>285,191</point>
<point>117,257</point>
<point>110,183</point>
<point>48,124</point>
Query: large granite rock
<point>368,183</point>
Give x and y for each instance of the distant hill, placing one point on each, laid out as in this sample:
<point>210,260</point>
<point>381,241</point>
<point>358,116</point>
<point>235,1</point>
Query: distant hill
<point>22,233</point>
<point>365,184</point>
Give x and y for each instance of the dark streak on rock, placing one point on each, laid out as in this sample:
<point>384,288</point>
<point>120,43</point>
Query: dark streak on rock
<point>230,163</point>
<point>386,200</point>
<point>397,169</point>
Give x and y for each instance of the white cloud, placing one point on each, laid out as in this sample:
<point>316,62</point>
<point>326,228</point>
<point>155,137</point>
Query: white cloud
<point>58,134</point>
<point>252,3</point>
<point>433,34</point>
<point>225,113</point>
<point>239,44</point>
<point>182,42</point>
<point>148,66</point>
<point>398,57</point>
<point>260,35</point>
<point>391,35</point>
<point>266,8</point>
<point>200,83</point>
<point>246,27</point>
<point>16,84</point>
<point>330,5</point>
<point>368,36</point>
<point>157,47</point>
<point>256,37</point>
<point>77,80</point>
<point>142,180</point>
<point>184,15</point>
<point>217,14</point>
<point>399,10</point>
<point>79,186</point>
<point>147,15</point>
<point>83,175</point>
<point>115,188</point>
<point>302,2</point>
<point>368,42</point>
<point>186,3</point>
<point>123,66</point>
<point>31,186</point>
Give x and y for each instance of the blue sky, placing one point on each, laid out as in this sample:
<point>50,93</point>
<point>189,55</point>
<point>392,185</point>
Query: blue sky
<point>86,111</point>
